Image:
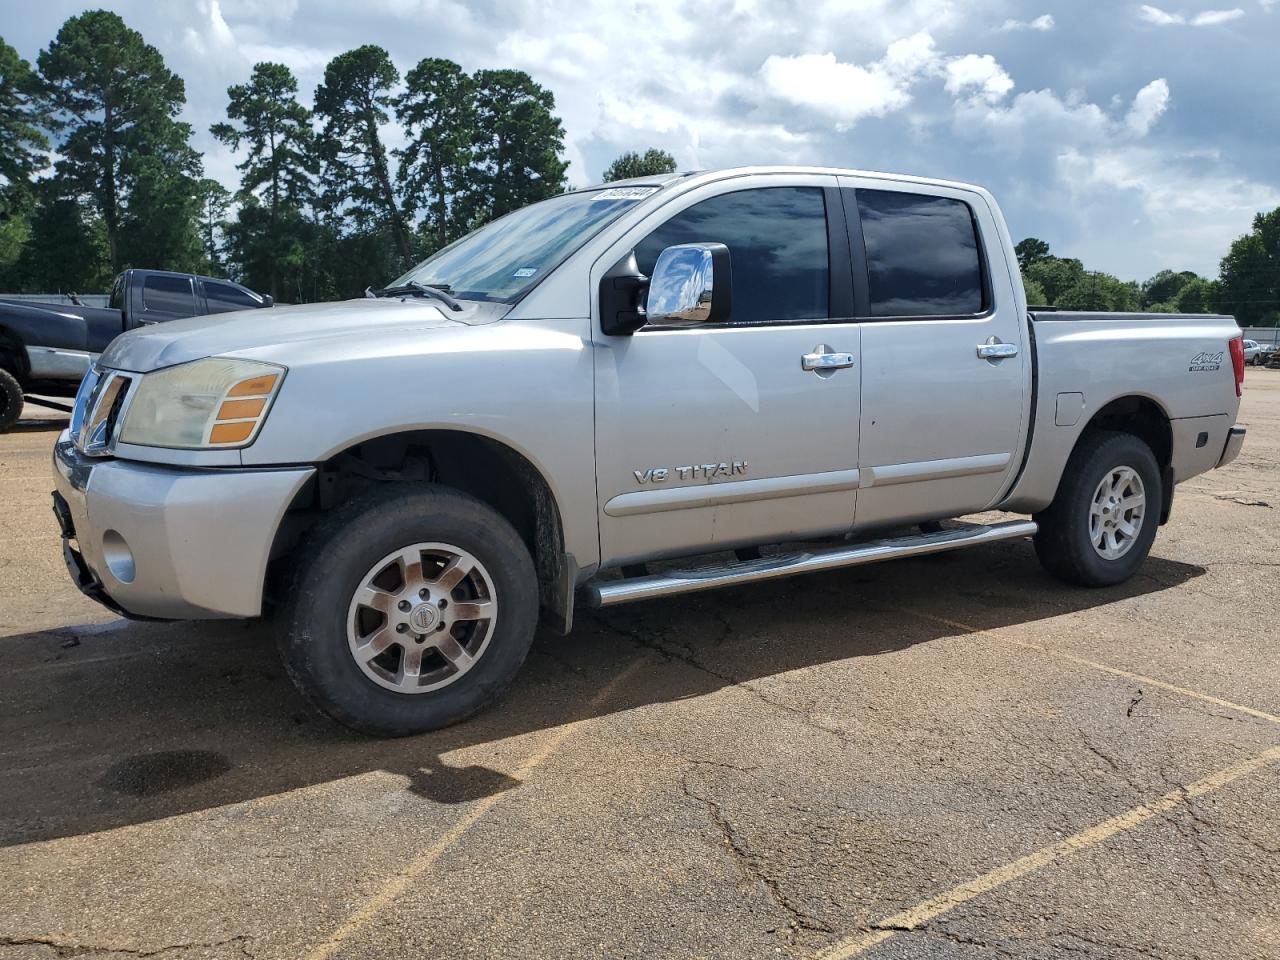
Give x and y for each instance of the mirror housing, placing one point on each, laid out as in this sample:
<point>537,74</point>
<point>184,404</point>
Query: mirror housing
<point>692,284</point>
<point>268,300</point>
<point>621,296</point>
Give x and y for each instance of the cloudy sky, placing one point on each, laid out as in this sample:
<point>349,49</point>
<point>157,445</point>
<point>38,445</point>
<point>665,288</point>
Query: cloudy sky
<point>1133,136</point>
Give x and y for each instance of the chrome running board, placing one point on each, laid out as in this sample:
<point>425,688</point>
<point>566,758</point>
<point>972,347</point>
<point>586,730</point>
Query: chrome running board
<point>606,593</point>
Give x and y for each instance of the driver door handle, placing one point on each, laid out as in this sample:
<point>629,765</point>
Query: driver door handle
<point>819,362</point>
<point>994,349</point>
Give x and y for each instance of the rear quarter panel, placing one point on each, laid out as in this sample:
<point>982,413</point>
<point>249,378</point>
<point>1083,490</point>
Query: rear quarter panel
<point>1181,363</point>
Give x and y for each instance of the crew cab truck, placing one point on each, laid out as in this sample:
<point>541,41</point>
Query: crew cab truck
<point>704,370</point>
<point>47,348</point>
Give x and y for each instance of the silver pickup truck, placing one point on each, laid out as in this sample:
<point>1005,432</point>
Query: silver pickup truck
<point>623,393</point>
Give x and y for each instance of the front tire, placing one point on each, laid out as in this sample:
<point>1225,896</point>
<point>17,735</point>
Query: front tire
<point>11,400</point>
<point>1100,526</point>
<point>412,607</point>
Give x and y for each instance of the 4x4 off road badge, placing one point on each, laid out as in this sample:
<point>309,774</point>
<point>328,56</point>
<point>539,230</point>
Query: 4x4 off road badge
<point>1205,361</point>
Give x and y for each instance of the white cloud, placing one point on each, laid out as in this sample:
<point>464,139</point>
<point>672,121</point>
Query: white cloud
<point>1187,212</point>
<point>1160,17</point>
<point>1043,23</point>
<point>1149,103</point>
<point>1211,17</point>
<point>1033,119</point>
<point>1208,18</point>
<point>979,73</point>
<point>848,92</point>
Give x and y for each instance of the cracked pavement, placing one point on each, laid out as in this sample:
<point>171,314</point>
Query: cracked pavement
<point>783,766</point>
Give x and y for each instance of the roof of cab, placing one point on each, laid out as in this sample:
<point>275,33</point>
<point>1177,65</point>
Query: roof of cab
<point>669,179</point>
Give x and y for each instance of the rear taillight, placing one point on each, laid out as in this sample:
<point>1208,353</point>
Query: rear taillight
<point>1237,362</point>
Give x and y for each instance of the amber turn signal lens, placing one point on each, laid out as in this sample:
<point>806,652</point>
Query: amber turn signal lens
<point>254,386</point>
<point>231,432</point>
<point>241,409</point>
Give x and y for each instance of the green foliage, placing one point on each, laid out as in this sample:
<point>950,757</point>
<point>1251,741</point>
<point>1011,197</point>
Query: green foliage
<point>121,103</point>
<point>517,147</point>
<point>1248,284</point>
<point>1164,286</point>
<point>354,100</point>
<point>651,163</point>
<point>67,249</point>
<point>23,117</point>
<point>1055,275</point>
<point>1029,251</point>
<point>278,172</point>
<point>267,252</point>
<point>215,200</point>
<point>1099,291</point>
<point>1036,296</point>
<point>1195,296</point>
<point>276,129</point>
<point>438,113</point>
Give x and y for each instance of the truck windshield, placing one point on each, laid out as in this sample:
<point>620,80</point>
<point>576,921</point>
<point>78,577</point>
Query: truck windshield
<point>503,259</point>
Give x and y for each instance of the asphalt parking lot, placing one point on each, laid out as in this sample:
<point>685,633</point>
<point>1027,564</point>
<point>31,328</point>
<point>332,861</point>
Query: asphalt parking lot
<point>946,757</point>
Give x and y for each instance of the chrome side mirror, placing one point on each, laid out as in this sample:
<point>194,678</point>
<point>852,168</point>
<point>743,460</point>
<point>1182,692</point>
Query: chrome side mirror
<point>691,284</point>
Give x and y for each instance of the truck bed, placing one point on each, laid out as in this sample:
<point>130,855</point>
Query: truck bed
<point>1177,365</point>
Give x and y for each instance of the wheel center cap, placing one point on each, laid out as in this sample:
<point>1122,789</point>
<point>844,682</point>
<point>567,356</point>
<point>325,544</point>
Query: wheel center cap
<point>423,617</point>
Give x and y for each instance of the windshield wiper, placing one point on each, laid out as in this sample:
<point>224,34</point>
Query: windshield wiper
<point>440,292</point>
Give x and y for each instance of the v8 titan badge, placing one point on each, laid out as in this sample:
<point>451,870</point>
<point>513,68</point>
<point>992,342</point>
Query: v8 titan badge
<point>699,471</point>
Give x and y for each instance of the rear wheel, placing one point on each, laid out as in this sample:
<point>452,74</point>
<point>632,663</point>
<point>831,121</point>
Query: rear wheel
<point>412,608</point>
<point>11,400</point>
<point>1100,526</point>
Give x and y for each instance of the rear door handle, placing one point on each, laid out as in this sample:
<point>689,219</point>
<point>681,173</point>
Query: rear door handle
<point>994,349</point>
<point>823,359</point>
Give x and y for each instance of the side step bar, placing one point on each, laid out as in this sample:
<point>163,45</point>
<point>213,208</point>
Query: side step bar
<point>606,593</point>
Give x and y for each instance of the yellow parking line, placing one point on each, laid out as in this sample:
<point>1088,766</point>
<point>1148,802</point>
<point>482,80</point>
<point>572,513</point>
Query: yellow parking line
<point>1095,665</point>
<point>398,883</point>
<point>944,902</point>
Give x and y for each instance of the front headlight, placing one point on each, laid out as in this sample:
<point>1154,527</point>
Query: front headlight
<point>217,402</point>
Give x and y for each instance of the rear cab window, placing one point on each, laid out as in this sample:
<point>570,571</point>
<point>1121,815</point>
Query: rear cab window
<point>923,256</point>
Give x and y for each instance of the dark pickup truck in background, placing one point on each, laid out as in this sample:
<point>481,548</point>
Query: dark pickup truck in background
<point>46,348</point>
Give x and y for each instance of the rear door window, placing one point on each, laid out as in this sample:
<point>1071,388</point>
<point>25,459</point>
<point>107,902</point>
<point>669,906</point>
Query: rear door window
<point>171,295</point>
<point>777,240</point>
<point>922,255</point>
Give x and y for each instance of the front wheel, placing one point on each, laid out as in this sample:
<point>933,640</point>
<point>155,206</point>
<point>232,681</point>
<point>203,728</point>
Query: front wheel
<point>11,400</point>
<point>1100,526</point>
<point>412,608</point>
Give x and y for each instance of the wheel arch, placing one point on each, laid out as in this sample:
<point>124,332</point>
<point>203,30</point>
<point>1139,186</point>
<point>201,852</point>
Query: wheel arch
<point>491,470</point>
<point>1144,417</point>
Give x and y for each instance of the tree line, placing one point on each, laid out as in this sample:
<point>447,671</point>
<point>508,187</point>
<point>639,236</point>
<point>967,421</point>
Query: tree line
<point>324,207</point>
<point>1247,286</point>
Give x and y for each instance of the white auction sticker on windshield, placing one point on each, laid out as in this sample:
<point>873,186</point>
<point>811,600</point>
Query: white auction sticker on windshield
<point>525,272</point>
<point>625,193</point>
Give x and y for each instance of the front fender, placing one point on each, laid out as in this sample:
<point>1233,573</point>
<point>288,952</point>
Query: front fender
<point>525,383</point>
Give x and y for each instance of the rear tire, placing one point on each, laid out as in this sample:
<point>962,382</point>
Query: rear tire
<point>1100,526</point>
<point>356,591</point>
<point>11,400</point>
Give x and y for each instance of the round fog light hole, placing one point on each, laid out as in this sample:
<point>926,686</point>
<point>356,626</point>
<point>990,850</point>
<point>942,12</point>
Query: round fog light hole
<point>118,556</point>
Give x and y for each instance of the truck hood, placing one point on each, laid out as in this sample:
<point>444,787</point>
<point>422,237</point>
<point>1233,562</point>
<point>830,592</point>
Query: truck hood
<point>178,341</point>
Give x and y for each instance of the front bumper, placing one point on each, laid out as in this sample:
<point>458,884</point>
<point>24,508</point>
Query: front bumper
<point>170,543</point>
